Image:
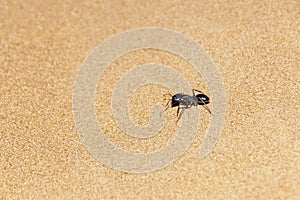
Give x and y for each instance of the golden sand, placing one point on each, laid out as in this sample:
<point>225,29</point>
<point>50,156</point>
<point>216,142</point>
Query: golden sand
<point>255,46</point>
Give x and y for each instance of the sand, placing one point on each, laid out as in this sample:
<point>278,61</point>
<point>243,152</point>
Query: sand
<point>255,48</point>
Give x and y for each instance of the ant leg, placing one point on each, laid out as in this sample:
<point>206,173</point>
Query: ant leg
<point>180,115</point>
<point>180,108</point>
<point>193,92</point>
<point>196,91</point>
<point>206,107</point>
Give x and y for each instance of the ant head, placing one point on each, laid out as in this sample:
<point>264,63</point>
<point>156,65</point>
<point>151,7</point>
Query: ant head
<point>175,100</point>
<point>202,99</point>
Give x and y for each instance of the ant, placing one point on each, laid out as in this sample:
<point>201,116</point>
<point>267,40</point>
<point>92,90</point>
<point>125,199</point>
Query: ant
<point>184,101</point>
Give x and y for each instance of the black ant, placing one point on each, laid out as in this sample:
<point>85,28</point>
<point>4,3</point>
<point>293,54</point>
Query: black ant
<point>184,101</point>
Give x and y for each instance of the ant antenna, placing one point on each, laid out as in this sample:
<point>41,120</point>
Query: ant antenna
<point>166,106</point>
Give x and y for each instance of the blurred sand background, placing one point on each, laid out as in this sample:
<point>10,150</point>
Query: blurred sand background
<point>255,47</point>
